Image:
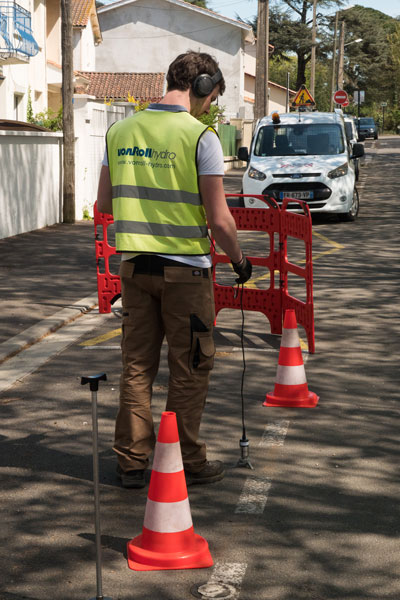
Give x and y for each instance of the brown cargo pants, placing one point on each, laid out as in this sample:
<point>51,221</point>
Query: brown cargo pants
<point>159,300</point>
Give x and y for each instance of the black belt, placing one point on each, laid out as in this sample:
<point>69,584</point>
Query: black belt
<point>151,264</point>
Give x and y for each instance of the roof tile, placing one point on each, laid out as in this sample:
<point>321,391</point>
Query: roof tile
<point>144,87</point>
<point>81,12</point>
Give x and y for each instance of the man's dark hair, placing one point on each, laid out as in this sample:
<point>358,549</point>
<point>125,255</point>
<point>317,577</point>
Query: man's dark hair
<point>186,67</point>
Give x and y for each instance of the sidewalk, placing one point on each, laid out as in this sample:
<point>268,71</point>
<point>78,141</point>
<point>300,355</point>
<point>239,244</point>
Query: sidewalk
<point>44,275</point>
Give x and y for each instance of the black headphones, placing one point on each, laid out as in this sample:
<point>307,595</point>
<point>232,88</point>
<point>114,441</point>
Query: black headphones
<point>204,84</point>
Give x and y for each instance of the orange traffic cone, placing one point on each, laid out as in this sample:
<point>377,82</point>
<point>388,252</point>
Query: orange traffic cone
<point>168,540</point>
<point>291,387</point>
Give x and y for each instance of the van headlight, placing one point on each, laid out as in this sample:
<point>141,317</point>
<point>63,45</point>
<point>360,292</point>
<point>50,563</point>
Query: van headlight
<point>254,174</point>
<point>339,171</point>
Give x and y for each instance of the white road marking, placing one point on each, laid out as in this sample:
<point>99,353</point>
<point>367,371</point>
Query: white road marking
<point>29,360</point>
<point>101,347</point>
<point>254,496</point>
<point>226,577</point>
<point>252,349</point>
<point>274,434</point>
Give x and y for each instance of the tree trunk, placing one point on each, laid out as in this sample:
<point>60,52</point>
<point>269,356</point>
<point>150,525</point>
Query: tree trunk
<point>301,70</point>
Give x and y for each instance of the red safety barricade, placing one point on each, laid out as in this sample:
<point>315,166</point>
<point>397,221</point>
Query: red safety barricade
<point>266,301</point>
<point>271,302</point>
<point>298,226</point>
<point>108,285</point>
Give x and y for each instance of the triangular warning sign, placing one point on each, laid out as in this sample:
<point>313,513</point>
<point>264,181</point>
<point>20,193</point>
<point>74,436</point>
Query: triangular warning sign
<point>303,98</point>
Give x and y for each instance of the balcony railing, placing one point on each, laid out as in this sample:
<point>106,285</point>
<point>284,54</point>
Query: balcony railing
<point>16,40</point>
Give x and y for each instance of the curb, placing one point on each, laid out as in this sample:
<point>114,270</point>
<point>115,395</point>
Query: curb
<point>37,332</point>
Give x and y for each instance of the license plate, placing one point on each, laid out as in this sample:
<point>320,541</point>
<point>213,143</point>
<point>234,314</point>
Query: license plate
<point>298,195</point>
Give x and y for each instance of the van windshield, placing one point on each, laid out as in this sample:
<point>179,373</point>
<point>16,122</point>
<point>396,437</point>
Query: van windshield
<point>367,121</point>
<point>299,139</point>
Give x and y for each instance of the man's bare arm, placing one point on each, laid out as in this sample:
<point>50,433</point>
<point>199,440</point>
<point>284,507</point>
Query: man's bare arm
<point>220,220</point>
<point>104,192</point>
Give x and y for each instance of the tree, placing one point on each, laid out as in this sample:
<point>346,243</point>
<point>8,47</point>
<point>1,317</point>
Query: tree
<point>200,3</point>
<point>368,65</point>
<point>290,31</point>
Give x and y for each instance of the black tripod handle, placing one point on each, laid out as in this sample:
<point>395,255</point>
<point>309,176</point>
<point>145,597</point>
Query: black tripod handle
<point>94,381</point>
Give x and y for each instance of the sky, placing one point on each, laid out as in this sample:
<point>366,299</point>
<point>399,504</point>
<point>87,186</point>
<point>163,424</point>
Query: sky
<point>247,9</point>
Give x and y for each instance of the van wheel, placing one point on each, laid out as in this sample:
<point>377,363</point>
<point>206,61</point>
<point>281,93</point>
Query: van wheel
<point>353,212</point>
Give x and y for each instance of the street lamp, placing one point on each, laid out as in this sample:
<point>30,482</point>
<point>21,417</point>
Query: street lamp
<point>342,46</point>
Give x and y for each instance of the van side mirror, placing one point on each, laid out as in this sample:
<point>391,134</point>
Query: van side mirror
<point>243,154</point>
<point>357,151</point>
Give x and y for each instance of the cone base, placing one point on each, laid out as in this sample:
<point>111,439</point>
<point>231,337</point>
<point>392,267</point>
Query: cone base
<point>197,557</point>
<point>309,400</point>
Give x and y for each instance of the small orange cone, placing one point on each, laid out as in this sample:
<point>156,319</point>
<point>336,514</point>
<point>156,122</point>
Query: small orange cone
<point>291,387</point>
<point>168,540</point>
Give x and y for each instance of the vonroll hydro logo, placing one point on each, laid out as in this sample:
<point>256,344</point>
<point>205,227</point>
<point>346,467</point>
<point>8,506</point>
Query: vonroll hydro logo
<point>146,153</point>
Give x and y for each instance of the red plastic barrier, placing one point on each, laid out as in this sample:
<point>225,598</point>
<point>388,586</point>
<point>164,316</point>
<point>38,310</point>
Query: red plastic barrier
<point>266,301</point>
<point>298,226</point>
<point>271,302</point>
<point>108,285</point>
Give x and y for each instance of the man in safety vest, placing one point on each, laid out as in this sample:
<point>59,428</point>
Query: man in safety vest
<point>162,180</point>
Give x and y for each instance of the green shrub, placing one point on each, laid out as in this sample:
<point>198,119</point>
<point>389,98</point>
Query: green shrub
<point>50,119</point>
<point>216,115</point>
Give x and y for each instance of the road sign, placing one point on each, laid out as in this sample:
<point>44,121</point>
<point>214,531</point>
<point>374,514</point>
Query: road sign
<point>303,98</point>
<point>383,103</point>
<point>355,97</point>
<point>340,97</point>
<point>345,103</point>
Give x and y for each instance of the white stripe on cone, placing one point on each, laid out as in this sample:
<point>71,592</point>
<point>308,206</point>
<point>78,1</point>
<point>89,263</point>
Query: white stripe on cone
<point>168,458</point>
<point>290,338</point>
<point>290,375</point>
<point>168,517</point>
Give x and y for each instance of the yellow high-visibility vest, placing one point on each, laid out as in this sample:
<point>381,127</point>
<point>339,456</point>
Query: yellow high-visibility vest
<point>157,207</point>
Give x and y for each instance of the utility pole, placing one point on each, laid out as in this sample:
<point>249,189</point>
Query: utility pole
<point>261,101</point>
<point>266,103</point>
<point>333,88</point>
<point>340,78</point>
<point>68,114</point>
<point>313,49</point>
<point>287,91</point>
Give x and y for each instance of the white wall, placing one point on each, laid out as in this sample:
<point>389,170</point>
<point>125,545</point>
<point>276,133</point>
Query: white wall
<point>31,192</point>
<point>146,38</point>
<point>84,56</point>
<point>91,121</point>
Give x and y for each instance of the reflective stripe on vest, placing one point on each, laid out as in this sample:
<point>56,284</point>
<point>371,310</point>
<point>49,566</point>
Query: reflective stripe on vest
<point>135,191</point>
<point>156,201</point>
<point>178,231</point>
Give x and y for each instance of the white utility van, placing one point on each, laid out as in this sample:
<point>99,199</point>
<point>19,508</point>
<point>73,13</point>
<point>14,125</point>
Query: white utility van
<point>303,155</point>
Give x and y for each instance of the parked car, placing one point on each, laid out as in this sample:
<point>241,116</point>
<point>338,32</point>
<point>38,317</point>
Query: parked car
<point>352,138</point>
<point>303,156</point>
<point>367,128</point>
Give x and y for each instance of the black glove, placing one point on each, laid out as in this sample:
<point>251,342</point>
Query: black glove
<point>243,268</point>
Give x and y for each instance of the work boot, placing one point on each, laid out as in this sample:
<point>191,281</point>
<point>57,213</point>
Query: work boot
<point>131,479</point>
<point>212,471</point>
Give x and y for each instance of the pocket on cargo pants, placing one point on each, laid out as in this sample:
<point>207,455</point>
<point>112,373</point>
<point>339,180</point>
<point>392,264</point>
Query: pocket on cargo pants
<point>202,349</point>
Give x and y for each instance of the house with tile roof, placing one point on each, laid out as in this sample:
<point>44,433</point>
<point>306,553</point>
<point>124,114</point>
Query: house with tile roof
<point>144,36</point>
<point>30,63</point>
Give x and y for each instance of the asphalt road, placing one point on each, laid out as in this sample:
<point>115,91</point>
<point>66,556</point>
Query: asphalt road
<point>317,518</point>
